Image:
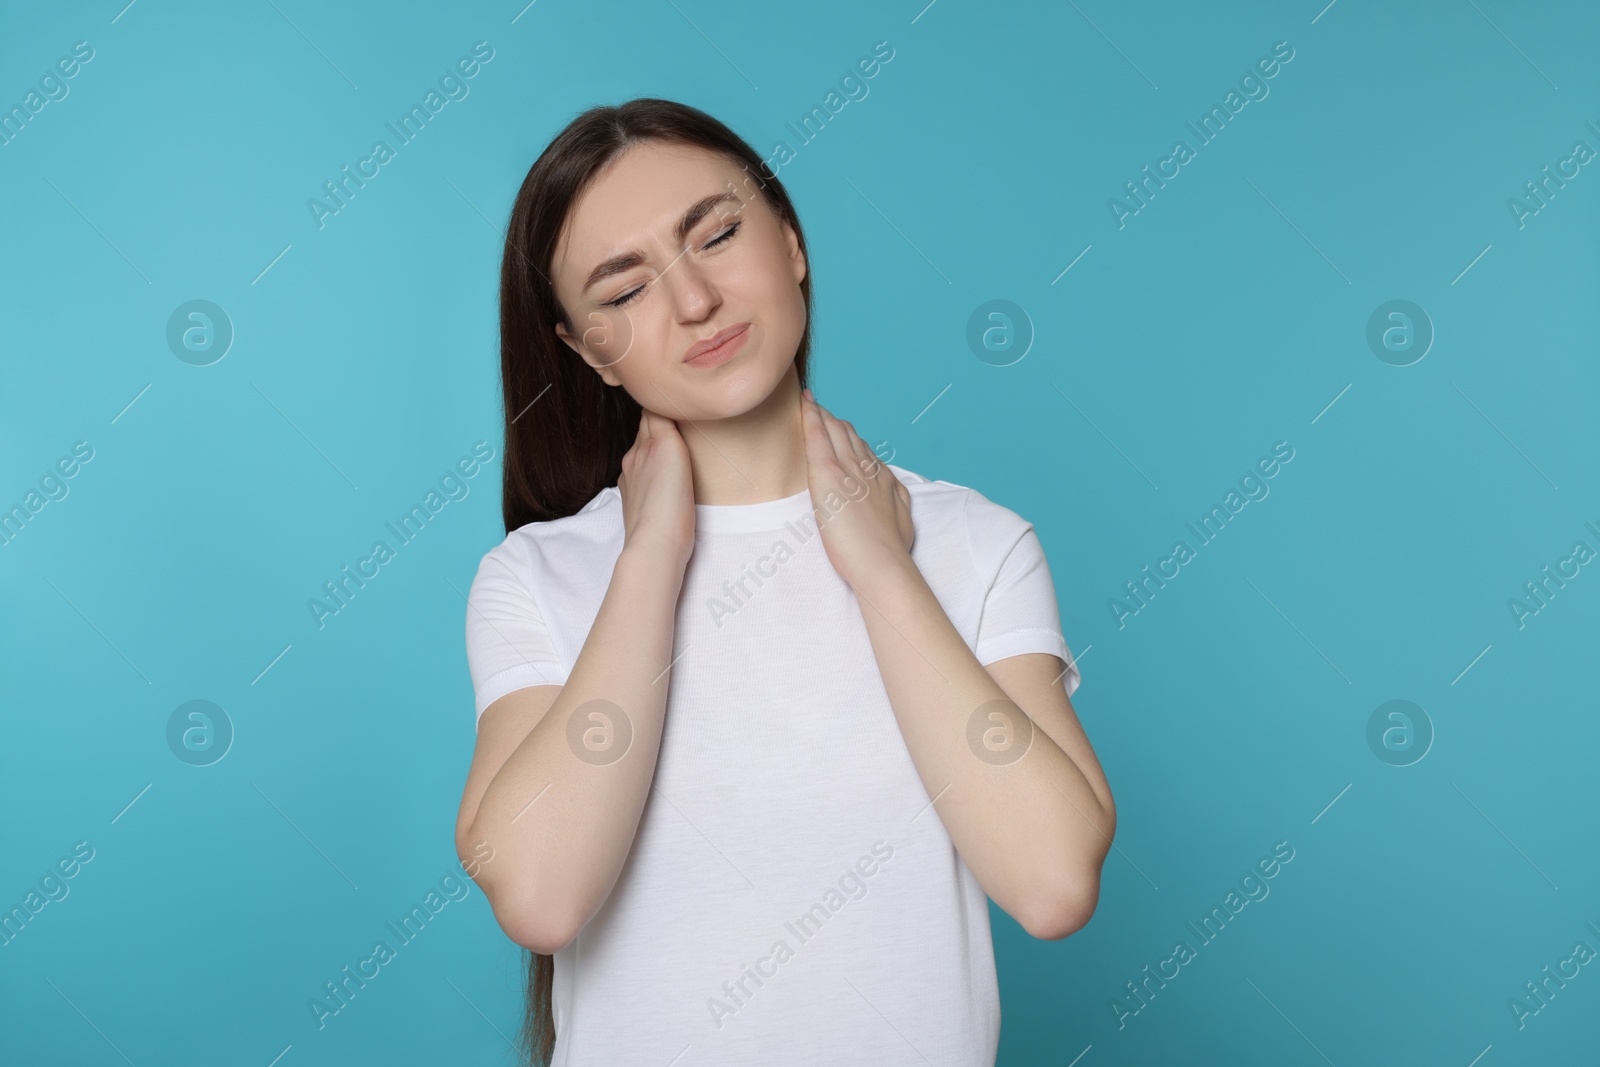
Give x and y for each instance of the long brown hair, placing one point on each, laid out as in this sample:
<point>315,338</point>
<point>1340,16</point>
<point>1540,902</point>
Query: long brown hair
<point>566,429</point>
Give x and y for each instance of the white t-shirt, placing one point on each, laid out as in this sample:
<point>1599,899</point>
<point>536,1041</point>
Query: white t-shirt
<point>790,897</point>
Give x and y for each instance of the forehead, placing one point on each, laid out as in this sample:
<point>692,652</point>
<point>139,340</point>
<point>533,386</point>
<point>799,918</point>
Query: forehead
<point>637,200</point>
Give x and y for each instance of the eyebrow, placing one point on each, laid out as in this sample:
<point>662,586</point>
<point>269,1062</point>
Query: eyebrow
<point>628,260</point>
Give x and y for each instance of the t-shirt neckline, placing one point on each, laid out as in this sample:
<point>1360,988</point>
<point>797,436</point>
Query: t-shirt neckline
<point>743,518</point>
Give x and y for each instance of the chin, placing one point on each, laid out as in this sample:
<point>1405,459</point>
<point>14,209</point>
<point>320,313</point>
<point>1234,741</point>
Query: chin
<point>742,391</point>
<point>738,396</point>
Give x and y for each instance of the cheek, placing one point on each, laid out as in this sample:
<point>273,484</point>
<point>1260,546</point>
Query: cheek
<point>786,302</point>
<point>648,340</point>
<point>767,280</point>
<point>612,334</point>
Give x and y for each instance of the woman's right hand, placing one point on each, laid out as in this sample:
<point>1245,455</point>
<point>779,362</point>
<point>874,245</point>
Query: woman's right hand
<point>657,487</point>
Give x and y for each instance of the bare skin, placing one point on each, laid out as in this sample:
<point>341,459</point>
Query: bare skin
<point>546,832</point>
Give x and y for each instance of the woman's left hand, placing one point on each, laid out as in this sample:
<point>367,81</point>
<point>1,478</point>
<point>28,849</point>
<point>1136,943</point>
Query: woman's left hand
<point>863,511</point>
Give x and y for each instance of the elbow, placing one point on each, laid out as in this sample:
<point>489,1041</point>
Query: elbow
<point>1065,908</point>
<point>533,927</point>
<point>524,915</point>
<point>1067,902</point>
<point>531,920</point>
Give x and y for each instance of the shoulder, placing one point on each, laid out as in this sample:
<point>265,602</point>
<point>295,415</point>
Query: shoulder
<point>989,530</point>
<point>539,549</point>
<point>984,519</point>
<point>931,493</point>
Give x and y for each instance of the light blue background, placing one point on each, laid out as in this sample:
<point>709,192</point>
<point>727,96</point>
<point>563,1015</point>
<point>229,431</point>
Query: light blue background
<point>1228,315</point>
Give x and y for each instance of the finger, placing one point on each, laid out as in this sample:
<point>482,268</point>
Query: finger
<point>829,422</point>
<point>863,453</point>
<point>840,438</point>
<point>866,459</point>
<point>819,446</point>
<point>849,448</point>
<point>849,429</point>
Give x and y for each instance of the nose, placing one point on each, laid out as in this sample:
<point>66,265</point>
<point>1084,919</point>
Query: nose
<point>691,290</point>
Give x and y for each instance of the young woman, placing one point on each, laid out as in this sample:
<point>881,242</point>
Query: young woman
<point>761,719</point>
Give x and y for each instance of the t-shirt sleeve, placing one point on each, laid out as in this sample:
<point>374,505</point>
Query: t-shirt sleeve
<point>1020,612</point>
<point>508,644</point>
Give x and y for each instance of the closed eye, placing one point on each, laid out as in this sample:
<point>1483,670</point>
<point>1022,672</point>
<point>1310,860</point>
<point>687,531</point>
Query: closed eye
<point>725,235</point>
<point>633,294</point>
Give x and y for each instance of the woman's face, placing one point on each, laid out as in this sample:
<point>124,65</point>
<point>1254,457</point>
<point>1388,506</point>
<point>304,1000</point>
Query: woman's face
<point>667,247</point>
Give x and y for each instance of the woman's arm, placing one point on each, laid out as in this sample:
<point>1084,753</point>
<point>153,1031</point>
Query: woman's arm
<point>560,774</point>
<point>1034,830</point>
<point>545,824</point>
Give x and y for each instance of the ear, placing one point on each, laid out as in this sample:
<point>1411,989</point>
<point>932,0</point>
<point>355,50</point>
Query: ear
<point>607,374</point>
<point>797,257</point>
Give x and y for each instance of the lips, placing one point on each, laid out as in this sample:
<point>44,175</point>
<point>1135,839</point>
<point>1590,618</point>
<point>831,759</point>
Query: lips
<point>716,340</point>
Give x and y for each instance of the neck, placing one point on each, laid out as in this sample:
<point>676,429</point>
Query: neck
<point>756,457</point>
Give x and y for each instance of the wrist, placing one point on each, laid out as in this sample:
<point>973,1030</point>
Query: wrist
<point>651,560</point>
<point>890,571</point>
